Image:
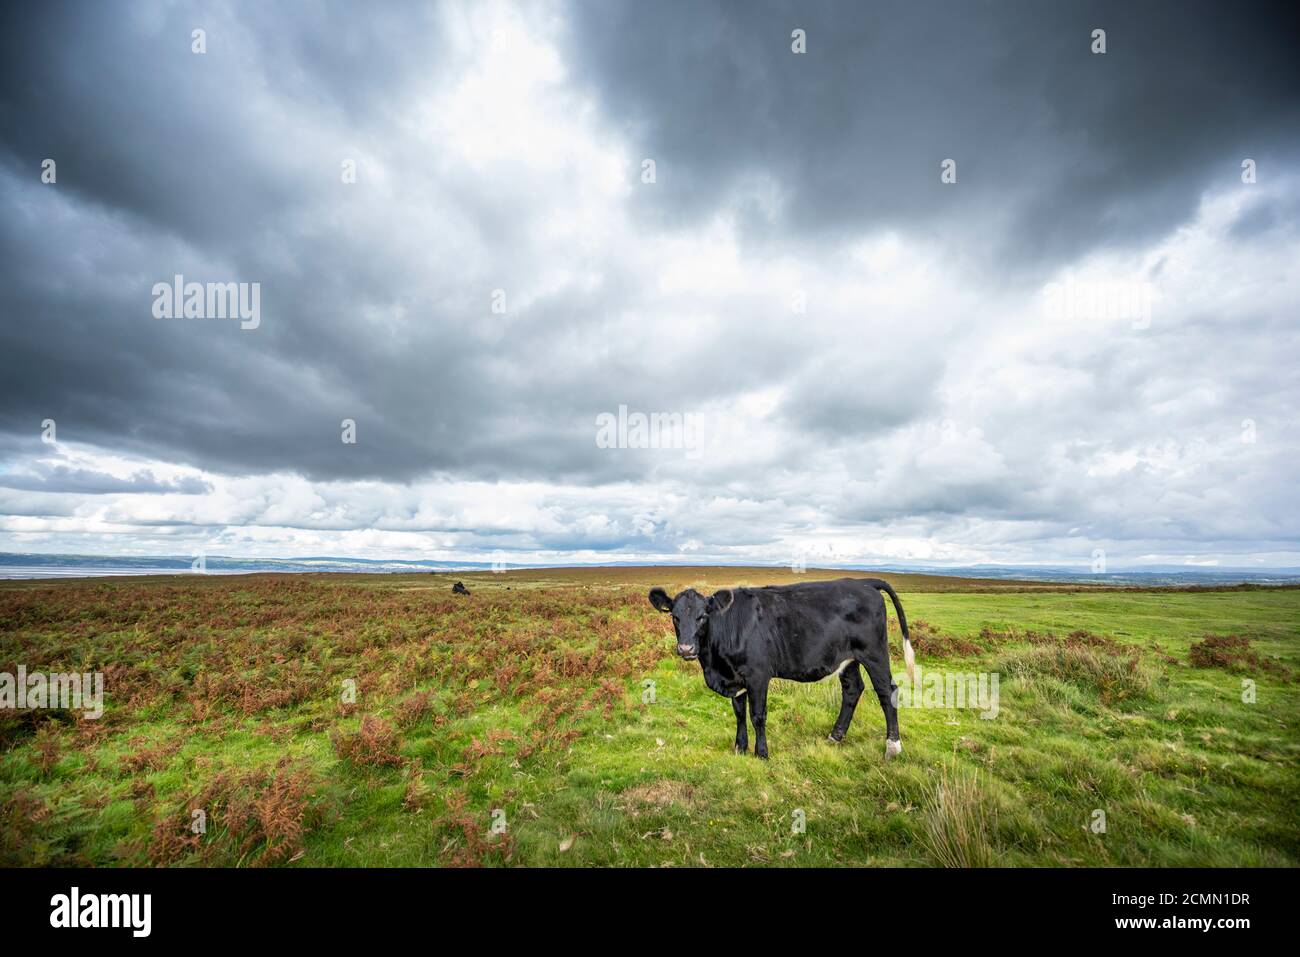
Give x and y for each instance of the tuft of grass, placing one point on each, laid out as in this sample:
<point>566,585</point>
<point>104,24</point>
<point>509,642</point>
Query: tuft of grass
<point>661,794</point>
<point>958,821</point>
<point>1115,677</point>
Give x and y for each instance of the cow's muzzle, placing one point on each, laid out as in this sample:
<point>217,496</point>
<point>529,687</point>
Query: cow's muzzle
<point>688,652</point>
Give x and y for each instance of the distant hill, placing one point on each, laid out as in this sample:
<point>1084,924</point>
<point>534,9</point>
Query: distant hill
<point>17,565</point>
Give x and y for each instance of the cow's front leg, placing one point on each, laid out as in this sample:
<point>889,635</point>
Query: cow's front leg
<point>757,694</point>
<point>742,729</point>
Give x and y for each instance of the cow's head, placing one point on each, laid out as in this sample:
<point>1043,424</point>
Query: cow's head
<point>690,611</point>
<point>690,619</point>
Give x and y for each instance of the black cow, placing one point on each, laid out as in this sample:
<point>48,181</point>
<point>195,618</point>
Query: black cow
<point>459,589</point>
<point>745,637</point>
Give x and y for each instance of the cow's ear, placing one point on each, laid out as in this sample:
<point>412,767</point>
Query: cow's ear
<point>721,600</point>
<point>659,598</point>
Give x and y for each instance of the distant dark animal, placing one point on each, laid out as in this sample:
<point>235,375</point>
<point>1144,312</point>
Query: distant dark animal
<point>459,589</point>
<point>745,637</point>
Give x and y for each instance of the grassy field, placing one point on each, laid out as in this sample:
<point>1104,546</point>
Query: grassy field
<point>517,726</point>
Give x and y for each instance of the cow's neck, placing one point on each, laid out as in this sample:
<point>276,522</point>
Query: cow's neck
<point>719,675</point>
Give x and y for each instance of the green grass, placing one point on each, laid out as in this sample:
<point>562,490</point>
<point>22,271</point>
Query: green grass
<point>526,699</point>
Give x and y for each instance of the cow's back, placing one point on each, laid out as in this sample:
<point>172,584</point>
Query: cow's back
<point>844,598</point>
<point>811,628</point>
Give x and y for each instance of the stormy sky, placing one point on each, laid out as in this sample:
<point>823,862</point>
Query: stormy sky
<point>480,230</point>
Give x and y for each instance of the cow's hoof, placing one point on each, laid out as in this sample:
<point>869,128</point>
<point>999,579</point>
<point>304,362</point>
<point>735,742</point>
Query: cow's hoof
<point>760,754</point>
<point>741,748</point>
<point>892,749</point>
<point>834,740</point>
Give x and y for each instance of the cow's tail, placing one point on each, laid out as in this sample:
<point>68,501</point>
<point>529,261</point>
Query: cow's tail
<point>909,657</point>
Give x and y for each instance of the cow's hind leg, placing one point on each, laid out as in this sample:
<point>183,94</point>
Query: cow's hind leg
<point>758,714</point>
<point>851,685</point>
<point>742,729</point>
<point>878,671</point>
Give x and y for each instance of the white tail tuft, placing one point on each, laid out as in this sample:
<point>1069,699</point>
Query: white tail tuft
<point>910,659</point>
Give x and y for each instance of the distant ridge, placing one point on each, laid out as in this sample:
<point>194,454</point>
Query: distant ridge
<point>20,565</point>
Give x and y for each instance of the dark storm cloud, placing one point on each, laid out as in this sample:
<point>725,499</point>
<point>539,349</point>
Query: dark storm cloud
<point>89,482</point>
<point>423,398</point>
<point>167,163</point>
<point>142,125</point>
<point>1058,149</point>
<point>164,154</point>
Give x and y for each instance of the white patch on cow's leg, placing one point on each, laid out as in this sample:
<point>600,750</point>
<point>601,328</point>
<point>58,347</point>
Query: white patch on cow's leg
<point>892,748</point>
<point>740,692</point>
<point>843,664</point>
